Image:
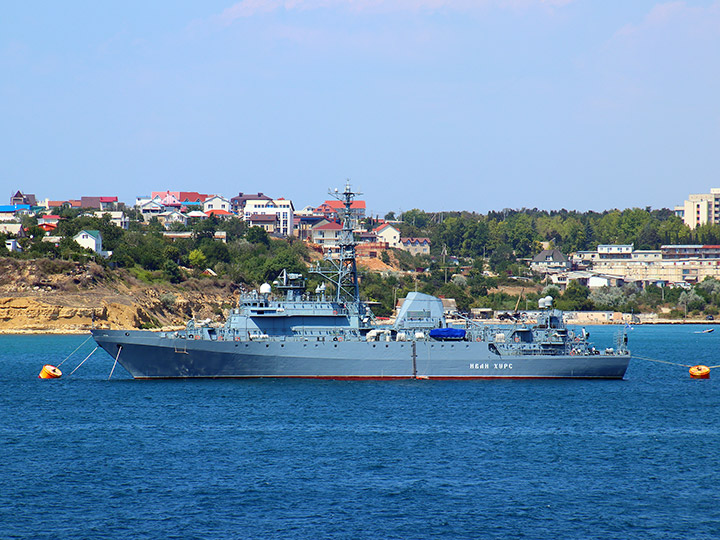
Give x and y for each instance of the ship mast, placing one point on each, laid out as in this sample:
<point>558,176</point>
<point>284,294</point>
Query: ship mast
<point>342,271</point>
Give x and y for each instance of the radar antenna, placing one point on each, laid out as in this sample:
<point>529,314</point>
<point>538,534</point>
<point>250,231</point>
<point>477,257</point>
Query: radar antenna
<point>342,268</point>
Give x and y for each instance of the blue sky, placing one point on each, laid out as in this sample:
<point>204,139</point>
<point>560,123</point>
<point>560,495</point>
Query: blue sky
<point>433,104</point>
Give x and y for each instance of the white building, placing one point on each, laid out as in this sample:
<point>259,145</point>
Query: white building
<point>91,239</point>
<point>119,219</point>
<point>671,264</point>
<point>282,208</point>
<point>550,261</point>
<point>327,235</point>
<point>12,245</point>
<point>700,208</point>
<point>388,233</point>
<point>169,217</point>
<point>150,208</point>
<point>216,202</point>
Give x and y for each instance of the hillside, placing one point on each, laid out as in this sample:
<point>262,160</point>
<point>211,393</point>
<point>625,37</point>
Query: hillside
<point>59,296</point>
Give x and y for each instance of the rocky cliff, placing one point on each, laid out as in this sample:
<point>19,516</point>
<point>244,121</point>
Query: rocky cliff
<point>59,296</point>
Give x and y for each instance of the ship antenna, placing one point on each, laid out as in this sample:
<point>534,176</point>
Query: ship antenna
<point>344,273</point>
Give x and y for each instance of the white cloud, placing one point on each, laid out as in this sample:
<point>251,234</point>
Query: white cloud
<point>249,8</point>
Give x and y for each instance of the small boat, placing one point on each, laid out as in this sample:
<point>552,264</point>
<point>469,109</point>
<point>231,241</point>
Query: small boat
<point>706,331</point>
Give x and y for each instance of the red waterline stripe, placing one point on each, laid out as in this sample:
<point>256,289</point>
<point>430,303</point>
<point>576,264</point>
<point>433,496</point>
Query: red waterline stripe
<point>375,378</point>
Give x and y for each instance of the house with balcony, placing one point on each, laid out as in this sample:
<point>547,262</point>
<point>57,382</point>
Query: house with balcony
<point>550,261</point>
<point>415,245</point>
<point>49,219</point>
<point>48,222</point>
<point>238,203</point>
<point>168,217</point>
<point>150,208</point>
<point>282,208</point>
<point>269,222</point>
<point>303,225</point>
<point>332,210</point>
<point>117,217</point>
<point>327,236</point>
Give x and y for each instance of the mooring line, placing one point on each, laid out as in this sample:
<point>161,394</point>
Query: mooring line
<point>662,361</point>
<point>81,363</point>
<point>115,364</point>
<point>76,350</point>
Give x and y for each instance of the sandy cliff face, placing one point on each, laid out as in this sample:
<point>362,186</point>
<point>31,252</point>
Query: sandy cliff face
<point>70,296</point>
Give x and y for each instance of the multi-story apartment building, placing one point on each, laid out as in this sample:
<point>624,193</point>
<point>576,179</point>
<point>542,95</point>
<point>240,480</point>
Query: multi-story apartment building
<point>282,208</point>
<point>700,208</point>
<point>669,264</point>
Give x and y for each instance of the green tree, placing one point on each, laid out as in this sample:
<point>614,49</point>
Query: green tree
<point>198,259</point>
<point>172,272</point>
<point>257,235</point>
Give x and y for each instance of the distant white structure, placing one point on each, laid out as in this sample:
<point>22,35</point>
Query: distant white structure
<point>217,202</point>
<point>150,208</point>
<point>117,218</point>
<point>700,208</point>
<point>12,245</point>
<point>281,208</point>
<point>91,239</point>
<point>387,233</point>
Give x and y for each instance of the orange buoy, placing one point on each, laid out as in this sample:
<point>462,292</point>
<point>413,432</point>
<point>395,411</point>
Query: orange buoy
<point>49,372</point>
<point>700,372</point>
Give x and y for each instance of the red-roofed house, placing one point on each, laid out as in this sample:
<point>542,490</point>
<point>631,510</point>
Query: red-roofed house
<point>216,202</point>
<point>107,202</point>
<point>388,233</point>
<point>170,201</point>
<point>98,203</point>
<point>49,219</point>
<point>220,213</point>
<point>192,198</point>
<point>331,210</point>
<point>327,235</point>
<point>57,204</point>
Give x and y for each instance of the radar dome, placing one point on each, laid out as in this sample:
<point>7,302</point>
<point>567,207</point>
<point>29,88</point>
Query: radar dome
<point>265,288</point>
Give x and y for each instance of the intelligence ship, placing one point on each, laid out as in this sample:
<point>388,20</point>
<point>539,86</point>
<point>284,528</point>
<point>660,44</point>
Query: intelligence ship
<point>332,334</point>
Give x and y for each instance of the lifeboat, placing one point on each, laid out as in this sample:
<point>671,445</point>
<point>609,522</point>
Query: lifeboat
<point>700,372</point>
<point>49,372</point>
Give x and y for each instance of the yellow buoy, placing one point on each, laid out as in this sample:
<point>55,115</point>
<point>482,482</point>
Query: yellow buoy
<point>49,372</point>
<point>700,372</point>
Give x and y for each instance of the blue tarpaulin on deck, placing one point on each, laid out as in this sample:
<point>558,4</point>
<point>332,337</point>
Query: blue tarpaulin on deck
<point>447,333</point>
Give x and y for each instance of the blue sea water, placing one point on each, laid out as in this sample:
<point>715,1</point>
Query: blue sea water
<point>84,457</point>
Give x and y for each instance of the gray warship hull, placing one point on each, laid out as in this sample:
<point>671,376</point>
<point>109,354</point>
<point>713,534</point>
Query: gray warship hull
<point>296,334</point>
<point>152,355</point>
